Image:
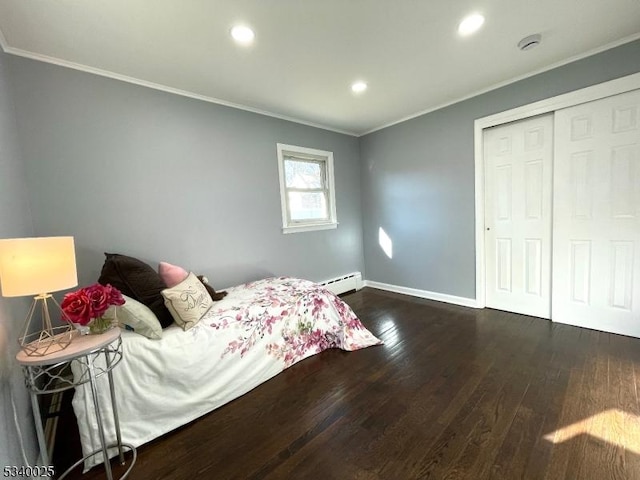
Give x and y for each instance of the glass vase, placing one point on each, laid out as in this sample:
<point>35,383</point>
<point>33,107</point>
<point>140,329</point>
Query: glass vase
<point>100,325</point>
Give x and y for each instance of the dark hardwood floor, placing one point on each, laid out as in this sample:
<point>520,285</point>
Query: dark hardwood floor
<point>455,393</point>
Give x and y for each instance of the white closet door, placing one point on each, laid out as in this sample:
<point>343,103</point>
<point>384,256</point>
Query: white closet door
<point>518,168</point>
<point>596,227</point>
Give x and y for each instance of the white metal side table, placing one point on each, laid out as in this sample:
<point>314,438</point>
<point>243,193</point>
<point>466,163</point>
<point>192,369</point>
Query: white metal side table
<point>95,355</point>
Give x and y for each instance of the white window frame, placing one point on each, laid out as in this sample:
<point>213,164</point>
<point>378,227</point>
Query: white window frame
<point>321,156</point>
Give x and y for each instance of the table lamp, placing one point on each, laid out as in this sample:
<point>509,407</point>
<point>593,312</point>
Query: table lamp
<point>39,266</point>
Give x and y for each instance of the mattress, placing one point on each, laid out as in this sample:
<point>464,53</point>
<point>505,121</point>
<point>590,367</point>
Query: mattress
<point>254,333</point>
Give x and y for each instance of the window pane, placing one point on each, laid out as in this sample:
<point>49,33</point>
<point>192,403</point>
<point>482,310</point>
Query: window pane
<point>308,206</point>
<point>301,174</point>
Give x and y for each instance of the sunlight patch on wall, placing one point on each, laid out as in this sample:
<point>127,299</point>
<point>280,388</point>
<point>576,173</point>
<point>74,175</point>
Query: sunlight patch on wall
<point>385,242</point>
<point>612,426</point>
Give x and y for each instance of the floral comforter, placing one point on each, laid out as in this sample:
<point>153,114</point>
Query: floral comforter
<point>308,317</point>
<point>255,332</point>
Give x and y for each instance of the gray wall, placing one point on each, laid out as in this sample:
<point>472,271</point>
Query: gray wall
<point>15,221</point>
<point>418,178</point>
<point>161,177</point>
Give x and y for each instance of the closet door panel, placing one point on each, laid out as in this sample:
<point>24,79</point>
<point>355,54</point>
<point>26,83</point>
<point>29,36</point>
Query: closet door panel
<point>596,215</point>
<point>518,216</point>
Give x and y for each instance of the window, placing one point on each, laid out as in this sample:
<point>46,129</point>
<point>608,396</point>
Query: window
<point>307,189</point>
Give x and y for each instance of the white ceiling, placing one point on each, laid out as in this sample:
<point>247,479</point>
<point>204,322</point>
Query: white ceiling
<point>307,53</point>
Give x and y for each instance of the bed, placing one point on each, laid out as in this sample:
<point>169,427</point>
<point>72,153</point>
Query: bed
<point>255,332</point>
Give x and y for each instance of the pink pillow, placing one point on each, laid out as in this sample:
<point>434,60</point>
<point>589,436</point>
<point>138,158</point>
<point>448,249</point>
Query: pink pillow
<point>172,275</point>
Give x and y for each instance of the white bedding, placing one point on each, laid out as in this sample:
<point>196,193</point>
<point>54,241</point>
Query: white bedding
<point>251,335</point>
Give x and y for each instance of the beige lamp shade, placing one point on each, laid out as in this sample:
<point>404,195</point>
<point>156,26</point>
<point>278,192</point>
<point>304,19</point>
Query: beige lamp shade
<point>31,266</point>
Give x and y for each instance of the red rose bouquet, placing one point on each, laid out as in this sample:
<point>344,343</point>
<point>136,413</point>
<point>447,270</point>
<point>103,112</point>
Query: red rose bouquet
<point>87,305</point>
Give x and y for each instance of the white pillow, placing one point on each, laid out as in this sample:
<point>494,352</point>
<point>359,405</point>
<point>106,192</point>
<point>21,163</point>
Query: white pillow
<point>188,301</point>
<point>137,317</point>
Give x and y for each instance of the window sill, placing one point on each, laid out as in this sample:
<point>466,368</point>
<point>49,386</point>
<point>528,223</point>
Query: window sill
<point>310,228</point>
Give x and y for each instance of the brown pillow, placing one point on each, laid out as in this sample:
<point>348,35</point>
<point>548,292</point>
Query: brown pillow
<point>215,296</point>
<point>137,280</point>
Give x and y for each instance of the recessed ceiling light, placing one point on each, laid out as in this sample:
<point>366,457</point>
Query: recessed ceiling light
<point>242,34</point>
<point>358,87</point>
<point>470,24</point>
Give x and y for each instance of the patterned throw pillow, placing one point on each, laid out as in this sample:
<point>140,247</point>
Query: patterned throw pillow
<point>188,301</point>
<point>136,317</point>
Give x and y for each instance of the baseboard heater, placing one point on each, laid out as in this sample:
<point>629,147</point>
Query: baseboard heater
<point>345,283</point>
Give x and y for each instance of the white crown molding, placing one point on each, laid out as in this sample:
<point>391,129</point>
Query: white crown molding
<point>589,53</point>
<point>156,86</point>
<point>414,292</point>
<point>124,78</point>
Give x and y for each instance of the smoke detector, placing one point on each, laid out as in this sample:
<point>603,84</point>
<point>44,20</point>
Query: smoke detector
<point>532,41</point>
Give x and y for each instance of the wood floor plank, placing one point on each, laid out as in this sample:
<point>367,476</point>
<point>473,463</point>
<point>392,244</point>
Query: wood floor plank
<point>480,424</point>
<point>574,408</point>
<point>455,393</point>
<point>625,383</point>
<point>594,451</point>
<point>552,393</point>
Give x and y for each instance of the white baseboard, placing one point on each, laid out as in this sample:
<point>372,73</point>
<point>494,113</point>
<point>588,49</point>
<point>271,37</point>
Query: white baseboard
<point>414,292</point>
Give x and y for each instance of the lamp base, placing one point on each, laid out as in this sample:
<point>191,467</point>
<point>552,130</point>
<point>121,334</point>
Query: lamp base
<point>44,343</point>
<point>48,339</point>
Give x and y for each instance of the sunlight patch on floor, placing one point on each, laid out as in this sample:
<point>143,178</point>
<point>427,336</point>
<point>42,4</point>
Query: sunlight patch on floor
<point>390,334</point>
<point>612,426</point>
